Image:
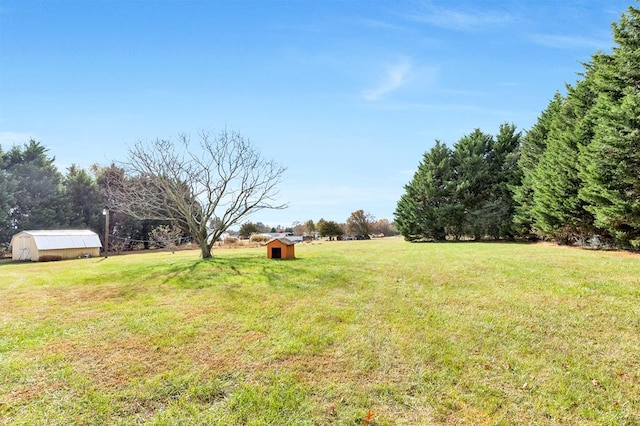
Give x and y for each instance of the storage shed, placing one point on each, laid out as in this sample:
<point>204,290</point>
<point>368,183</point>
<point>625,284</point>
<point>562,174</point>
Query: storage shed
<point>55,245</point>
<point>280,248</point>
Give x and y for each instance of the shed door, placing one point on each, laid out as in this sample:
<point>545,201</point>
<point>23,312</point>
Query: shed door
<point>25,252</point>
<point>276,253</point>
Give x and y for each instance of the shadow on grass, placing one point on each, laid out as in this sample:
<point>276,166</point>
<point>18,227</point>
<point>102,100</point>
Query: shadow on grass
<point>241,269</point>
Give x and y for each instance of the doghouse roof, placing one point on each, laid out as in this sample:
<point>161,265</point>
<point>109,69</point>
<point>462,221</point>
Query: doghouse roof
<point>283,240</point>
<point>63,239</point>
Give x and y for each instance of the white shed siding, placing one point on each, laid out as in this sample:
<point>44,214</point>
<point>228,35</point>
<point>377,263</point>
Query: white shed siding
<point>65,244</point>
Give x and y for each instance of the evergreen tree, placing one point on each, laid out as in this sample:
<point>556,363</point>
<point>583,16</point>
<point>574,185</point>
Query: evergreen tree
<point>85,198</point>
<point>534,144</point>
<point>427,208</point>
<point>558,212</point>
<point>329,228</point>
<point>474,181</point>
<point>126,231</point>
<point>505,174</point>
<point>611,162</point>
<point>7,202</point>
<point>39,201</point>
<point>246,229</point>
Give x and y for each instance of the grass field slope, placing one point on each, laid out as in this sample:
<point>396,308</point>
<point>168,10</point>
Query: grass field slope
<point>377,332</point>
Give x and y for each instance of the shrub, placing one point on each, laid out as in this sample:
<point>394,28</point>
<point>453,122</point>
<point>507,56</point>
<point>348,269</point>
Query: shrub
<point>259,238</point>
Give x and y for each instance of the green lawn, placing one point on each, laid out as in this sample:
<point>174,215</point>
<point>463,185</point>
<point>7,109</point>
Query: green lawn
<point>452,333</point>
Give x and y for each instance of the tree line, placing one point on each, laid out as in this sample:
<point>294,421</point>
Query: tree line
<point>573,178</point>
<point>358,224</point>
<point>166,190</point>
<point>34,194</point>
<point>463,192</point>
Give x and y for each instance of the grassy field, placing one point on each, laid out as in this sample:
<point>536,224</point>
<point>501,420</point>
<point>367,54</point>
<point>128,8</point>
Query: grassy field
<point>362,332</point>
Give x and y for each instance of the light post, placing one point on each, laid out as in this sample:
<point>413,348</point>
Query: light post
<point>105,212</point>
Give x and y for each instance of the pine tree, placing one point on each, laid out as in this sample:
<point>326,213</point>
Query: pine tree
<point>534,144</point>
<point>610,165</point>
<point>7,200</point>
<point>425,210</point>
<point>506,175</point>
<point>558,212</point>
<point>474,182</point>
<point>85,198</point>
<point>39,199</point>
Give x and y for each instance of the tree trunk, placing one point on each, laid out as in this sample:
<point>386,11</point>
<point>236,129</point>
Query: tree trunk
<point>205,250</point>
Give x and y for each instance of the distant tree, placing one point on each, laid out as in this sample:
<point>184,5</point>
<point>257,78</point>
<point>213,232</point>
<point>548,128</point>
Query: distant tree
<point>384,227</point>
<point>85,198</point>
<point>38,200</point>
<point>220,182</point>
<point>329,228</point>
<point>262,227</point>
<point>127,231</point>
<point>247,229</point>
<point>7,201</point>
<point>166,236</point>
<point>310,227</point>
<point>359,223</point>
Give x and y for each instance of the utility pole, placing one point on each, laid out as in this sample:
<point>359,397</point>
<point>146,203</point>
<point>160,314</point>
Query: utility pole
<point>105,212</point>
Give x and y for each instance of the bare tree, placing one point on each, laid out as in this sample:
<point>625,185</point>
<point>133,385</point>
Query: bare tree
<point>205,190</point>
<point>359,223</point>
<point>165,236</point>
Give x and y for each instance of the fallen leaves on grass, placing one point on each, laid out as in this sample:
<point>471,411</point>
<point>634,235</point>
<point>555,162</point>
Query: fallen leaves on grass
<point>368,418</point>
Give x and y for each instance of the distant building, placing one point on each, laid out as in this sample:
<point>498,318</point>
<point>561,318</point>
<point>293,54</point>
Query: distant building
<point>55,245</point>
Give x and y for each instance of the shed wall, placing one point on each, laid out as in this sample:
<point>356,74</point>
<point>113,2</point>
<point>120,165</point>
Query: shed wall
<point>71,253</point>
<point>24,248</point>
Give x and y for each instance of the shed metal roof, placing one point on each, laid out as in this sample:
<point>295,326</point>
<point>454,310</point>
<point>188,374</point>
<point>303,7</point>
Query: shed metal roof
<point>62,239</point>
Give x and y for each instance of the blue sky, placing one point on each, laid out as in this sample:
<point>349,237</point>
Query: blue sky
<point>347,95</point>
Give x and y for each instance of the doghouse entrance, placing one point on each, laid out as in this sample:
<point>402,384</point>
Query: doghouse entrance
<point>276,253</point>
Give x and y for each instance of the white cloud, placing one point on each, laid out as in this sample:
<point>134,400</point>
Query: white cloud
<point>462,20</point>
<point>395,77</point>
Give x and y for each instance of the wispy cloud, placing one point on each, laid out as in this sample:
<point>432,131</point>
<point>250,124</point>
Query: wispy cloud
<point>462,20</point>
<point>379,25</point>
<point>569,41</point>
<point>395,77</point>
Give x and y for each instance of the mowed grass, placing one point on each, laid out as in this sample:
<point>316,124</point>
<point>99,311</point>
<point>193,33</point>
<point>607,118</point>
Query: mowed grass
<point>366,332</point>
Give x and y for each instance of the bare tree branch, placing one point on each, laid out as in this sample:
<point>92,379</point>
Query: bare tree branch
<point>206,189</point>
